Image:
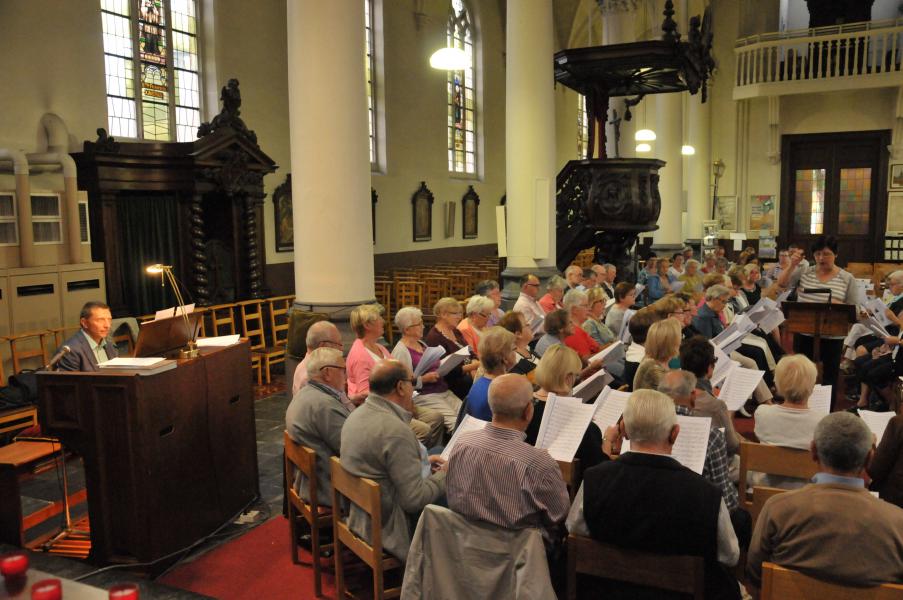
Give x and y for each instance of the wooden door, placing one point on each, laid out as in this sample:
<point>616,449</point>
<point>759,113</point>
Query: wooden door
<point>835,184</point>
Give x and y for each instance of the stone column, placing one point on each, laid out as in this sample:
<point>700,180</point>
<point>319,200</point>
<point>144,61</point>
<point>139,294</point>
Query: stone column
<point>669,132</point>
<point>330,163</point>
<point>529,142</point>
<point>699,166</point>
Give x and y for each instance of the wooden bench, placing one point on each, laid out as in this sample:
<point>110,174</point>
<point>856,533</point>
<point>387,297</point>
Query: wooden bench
<point>18,461</point>
<point>16,419</point>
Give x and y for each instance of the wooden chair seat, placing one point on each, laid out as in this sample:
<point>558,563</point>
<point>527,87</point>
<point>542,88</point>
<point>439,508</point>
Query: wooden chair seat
<point>17,419</point>
<point>779,583</point>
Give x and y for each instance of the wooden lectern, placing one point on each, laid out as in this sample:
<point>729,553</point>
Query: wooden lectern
<point>168,457</point>
<point>817,319</point>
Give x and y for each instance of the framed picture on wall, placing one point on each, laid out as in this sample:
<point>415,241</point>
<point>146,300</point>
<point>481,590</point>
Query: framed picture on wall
<point>282,211</point>
<point>470,212</point>
<point>726,212</point>
<point>422,210</point>
<point>896,177</point>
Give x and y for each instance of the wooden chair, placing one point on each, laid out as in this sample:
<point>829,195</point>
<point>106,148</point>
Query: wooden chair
<point>572,475</point>
<point>29,345</point>
<point>61,334</point>
<point>318,517</point>
<point>222,319</point>
<point>779,583</point>
<point>365,494</point>
<point>278,308</point>
<point>383,291</point>
<point>408,293</point>
<point>860,270</point>
<point>17,419</point>
<point>681,574</point>
<point>252,328</point>
<point>760,496</point>
<point>773,460</point>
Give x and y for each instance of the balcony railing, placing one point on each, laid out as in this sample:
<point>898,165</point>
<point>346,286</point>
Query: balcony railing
<point>869,50</point>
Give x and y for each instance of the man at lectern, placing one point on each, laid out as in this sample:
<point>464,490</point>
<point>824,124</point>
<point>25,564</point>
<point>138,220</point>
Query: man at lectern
<point>90,346</point>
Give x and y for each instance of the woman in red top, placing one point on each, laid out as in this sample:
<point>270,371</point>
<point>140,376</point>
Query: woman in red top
<point>577,305</point>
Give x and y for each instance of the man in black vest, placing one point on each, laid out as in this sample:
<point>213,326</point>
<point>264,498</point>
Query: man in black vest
<point>648,501</point>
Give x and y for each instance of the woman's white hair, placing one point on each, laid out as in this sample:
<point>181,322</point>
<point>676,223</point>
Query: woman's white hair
<point>322,357</point>
<point>556,282</point>
<point>649,417</point>
<point>716,291</point>
<point>479,304</point>
<point>407,316</point>
<point>749,268</point>
<point>692,262</point>
<point>573,298</point>
<point>896,277</point>
<point>794,378</point>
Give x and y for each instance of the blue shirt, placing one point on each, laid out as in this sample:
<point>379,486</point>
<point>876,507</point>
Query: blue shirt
<point>478,399</point>
<point>822,477</point>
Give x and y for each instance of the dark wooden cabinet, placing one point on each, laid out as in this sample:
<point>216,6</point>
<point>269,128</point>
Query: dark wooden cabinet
<point>168,457</point>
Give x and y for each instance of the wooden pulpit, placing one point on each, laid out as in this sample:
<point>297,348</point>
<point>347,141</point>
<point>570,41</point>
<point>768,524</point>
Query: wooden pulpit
<point>168,457</point>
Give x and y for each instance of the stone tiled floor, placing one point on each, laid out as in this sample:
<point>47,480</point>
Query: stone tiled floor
<point>269,407</point>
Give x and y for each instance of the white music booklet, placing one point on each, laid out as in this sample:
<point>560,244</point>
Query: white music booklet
<point>692,442</point>
<point>609,407</point>
<point>820,399</point>
<point>877,421</point>
<point>468,423</point>
<point>564,422</point>
<point>739,386</point>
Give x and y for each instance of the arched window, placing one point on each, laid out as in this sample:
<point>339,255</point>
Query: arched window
<point>370,62</point>
<point>582,127</point>
<point>462,143</point>
<point>153,86</point>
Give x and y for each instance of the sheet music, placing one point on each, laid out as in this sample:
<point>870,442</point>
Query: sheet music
<point>878,309</point>
<point>609,408</point>
<point>127,362</point>
<point>468,423</point>
<point>428,359</point>
<point>692,442</point>
<point>590,387</point>
<point>875,327</point>
<point>625,331</point>
<point>453,360</point>
<point>175,311</point>
<point>639,289</point>
<point>877,421</point>
<point>677,286</point>
<point>820,400</point>
<point>783,296</point>
<point>729,339</point>
<point>771,320</point>
<point>604,354</point>
<point>722,370</point>
<point>564,422</point>
<point>739,386</point>
<point>222,340</point>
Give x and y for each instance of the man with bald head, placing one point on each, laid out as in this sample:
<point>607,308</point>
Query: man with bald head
<point>494,476</point>
<point>377,443</point>
<point>322,334</point>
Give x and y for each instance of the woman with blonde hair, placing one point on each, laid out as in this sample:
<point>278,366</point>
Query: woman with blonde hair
<point>445,333</point>
<point>497,356</point>
<point>662,345</point>
<point>434,393</point>
<point>593,325</point>
<point>557,372</point>
<point>792,423</point>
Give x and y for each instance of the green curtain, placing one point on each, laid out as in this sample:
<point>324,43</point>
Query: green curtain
<point>148,229</point>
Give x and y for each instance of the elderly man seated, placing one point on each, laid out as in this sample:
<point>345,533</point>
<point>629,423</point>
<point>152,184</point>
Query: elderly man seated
<point>316,414</point>
<point>648,501</point>
<point>832,529</point>
<point>495,476</point>
<point>322,334</point>
<point>378,444</point>
<point>527,304</point>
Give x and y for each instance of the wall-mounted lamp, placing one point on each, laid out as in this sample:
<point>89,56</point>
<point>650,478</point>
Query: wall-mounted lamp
<point>449,59</point>
<point>687,150</point>
<point>644,147</point>
<point>644,135</point>
<point>718,173</point>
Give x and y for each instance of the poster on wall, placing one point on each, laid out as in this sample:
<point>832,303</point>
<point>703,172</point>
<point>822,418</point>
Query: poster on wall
<point>726,212</point>
<point>761,213</point>
<point>768,247</point>
<point>895,211</point>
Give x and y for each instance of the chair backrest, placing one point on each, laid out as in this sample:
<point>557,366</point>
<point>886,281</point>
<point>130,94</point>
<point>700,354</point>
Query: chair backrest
<point>572,475</point>
<point>365,494</point>
<point>24,346</point>
<point>779,583</point>
<point>222,319</point>
<point>252,322</point>
<point>278,308</point>
<point>681,574</point>
<point>760,496</point>
<point>773,460</point>
<point>303,459</point>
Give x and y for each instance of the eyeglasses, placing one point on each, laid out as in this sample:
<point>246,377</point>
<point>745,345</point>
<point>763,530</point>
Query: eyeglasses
<point>420,324</point>
<point>485,316</point>
<point>531,285</point>
<point>339,367</point>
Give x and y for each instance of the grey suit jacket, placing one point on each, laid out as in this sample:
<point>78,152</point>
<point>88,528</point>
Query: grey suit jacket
<point>378,443</point>
<point>81,358</point>
<point>315,419</point>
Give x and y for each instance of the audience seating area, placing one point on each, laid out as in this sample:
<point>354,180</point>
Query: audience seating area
<point>779,583</point>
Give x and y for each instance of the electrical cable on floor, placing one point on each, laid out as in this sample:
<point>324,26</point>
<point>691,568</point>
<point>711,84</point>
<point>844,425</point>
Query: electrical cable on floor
<point>171,554</point>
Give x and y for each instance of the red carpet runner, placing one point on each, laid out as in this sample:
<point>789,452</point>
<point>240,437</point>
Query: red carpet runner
<point>255,566</point>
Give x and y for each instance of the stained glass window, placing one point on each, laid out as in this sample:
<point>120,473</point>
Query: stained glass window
<point>809,202</point>
<point>153,86</point>
<point>461,98</point>
<point>582,127</point>
<point>369,63</point>
<point>855,201</point>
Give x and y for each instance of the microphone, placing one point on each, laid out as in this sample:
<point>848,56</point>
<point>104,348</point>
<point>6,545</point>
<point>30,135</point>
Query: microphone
<point>57,357</point>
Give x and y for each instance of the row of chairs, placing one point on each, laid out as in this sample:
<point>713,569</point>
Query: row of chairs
<point>424,286</point>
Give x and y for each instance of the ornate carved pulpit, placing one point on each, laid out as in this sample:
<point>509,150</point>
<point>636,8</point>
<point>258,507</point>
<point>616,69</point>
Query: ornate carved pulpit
<point>198,204</point>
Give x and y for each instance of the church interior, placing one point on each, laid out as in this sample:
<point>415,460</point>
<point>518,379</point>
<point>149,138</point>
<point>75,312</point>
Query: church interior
<point>281,164</point>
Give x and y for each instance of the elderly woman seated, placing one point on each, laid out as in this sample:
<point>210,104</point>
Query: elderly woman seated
<point>516,323</point>
<point>554,293</point>
<point>491,290</point>
<point>577,305</point>
<point>557,326</point>
<point>691,277</point>
<point>479,310</point>
<point>662,345</point>
<point>433,390</point>
<point>593,325</point>
<point>708,319</point>
<point>497,355</point>
<point>445,333</point>
<point>625,297</point>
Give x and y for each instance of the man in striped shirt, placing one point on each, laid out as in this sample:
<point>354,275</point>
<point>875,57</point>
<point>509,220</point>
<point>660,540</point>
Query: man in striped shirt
<point>496,477</point>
